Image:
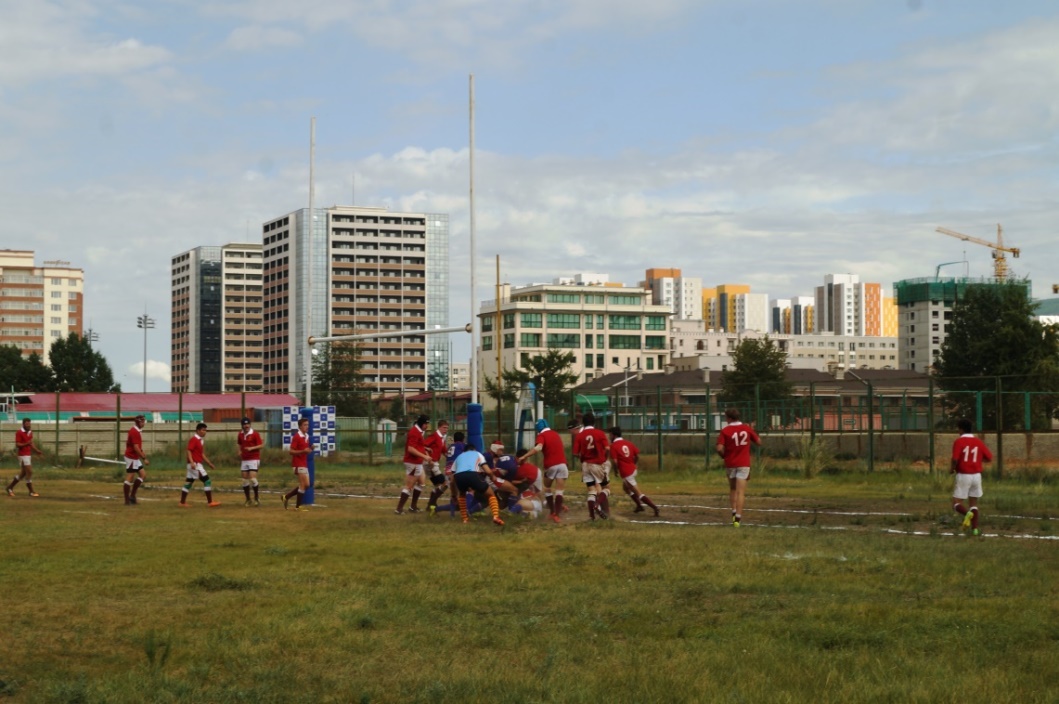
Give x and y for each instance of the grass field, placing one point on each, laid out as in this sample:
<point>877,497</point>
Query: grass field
<point>846,587</point>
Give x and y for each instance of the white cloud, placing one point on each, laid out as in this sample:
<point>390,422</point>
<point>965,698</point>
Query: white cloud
<point>258,38</point>
<point>156,371</point>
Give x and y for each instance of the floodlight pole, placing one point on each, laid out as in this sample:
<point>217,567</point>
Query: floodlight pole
<point>145,323</point>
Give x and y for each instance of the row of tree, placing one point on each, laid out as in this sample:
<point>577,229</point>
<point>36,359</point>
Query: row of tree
<point>74,366</point>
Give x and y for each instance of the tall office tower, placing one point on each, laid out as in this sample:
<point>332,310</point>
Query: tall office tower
<point>792,316</point>
<point>371,270</point>
<point>38,305</point>
<point>216,340</point>
<point>683,294</point>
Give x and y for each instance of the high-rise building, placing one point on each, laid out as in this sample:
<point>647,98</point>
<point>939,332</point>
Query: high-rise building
<point>793,316</point>
<point>719,306</point>
<point>216,340</point>
<point>925,313</point>
<point>607,328</point>
<point>372,270</point>
<point>38,305</point>
<point>683,294</point>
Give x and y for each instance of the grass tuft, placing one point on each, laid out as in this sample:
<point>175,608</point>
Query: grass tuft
<point>216,582</point>
<point>814,456</point>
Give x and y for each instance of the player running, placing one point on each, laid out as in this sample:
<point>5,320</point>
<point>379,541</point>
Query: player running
<point>436,448</point>
<point>550,446</point>
<point>590,446</point>
<point>626,458</point>
<point>415,454</point>
<point>300,449</point>
<point>26,449</point>
<point>196,456</point>
<point>733,444</point>
<point>968,453</point>
<point>135,460</point>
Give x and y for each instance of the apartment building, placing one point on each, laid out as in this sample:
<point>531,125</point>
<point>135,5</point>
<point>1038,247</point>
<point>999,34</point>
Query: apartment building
<point>357,270</point>
<point>792,316</point>
<point>38,305</point>
<point>683,294</point>
<point>216,319</point>
<point>608,328</point>
<point>925,312</point>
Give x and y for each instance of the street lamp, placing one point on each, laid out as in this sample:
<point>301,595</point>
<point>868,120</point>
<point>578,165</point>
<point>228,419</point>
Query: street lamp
<point>91,336</point>
<point>145,323</point>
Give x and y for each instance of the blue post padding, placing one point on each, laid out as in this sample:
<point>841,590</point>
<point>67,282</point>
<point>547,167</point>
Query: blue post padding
<point>475,426</point>
<point>309,496</point>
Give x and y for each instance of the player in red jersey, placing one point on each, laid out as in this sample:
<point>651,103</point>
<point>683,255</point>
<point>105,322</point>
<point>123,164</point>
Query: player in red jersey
<point>968,453</point>
<point>26,449</point>
<point>436,445</point>
<point>196,456</point>
<point>415,454</point>
<point>626,458</point>
<point>590,446</point>
<point>135,460</point>
<point>250,444</point>
<point>300,449</point>
<point>550,446</point>
<point>733,444</point>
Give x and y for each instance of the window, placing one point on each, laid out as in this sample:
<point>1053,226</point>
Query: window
<point>655,342</point>
<point>531,320</point>
<point>624,300</point>
<point>599,342</point>
<point>564,340</point>
<point>934,327</point>
<point>588,361</point>
<point>650,363</point>
<point>656,322</point>
<point>911,328</point>
<point>509,321</point>
<point>564,298</point>
<point>56,320</point>
<point>588,321</point>
<point>564,320</point>
<point>588,342</point>
<point>509,340</point>
<point>56,294</point>
<point>524,359</point>
<point>594,298</point>
<point>624,322</point>
<point>73,295</point>
<point>56,307</point>
<point>487,342</point>
<point>487,323</point>
<point>599,361</point>
<point>625,342</point>
<point>530,339</point>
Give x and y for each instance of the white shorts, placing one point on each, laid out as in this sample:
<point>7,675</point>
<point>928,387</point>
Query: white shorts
<point>738,472</point>
<point>631,479</point>
<point>301,470</point>
<point>967,485</point>
<point>413,470</point>
<point>25,460</point>
<point>249,465</point>
<point>593,473</point>
<point>132,465</point>
<point>196,471</point>
<point>557,471</point>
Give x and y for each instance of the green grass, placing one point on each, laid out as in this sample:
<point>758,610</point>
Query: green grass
<point>814,600</point>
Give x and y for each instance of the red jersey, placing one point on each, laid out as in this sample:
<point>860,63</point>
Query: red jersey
<point>249,438</point>
<point>553,448</point>
<point>414,440</point>
<point>435,445</point>
<point>526,473</point>
<point>25,436</point>
<point>197,449</point>
<point>591,445</point>
<point>736,438</point>
<point>624,454</point>
<point>132,442</point>
<point>299,441</point>
<point>969,452</point>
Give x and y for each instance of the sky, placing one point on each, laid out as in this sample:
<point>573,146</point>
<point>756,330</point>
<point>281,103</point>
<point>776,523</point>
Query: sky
<point>763,142</point>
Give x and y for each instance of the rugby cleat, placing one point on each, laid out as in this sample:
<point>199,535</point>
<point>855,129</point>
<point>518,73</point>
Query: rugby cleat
<point>34,494</point>
<point>256,502</point>
<point>639,509</point>
<point>285,499</point>
<point>214,504</point>
<point>182,505</point>
<point>555,518</point>
<point>975,532</point>
<point>432,510</point>
<point>498,520</point>
<point>966,521</point>
<point>11,493</point>
<point>248,502</point>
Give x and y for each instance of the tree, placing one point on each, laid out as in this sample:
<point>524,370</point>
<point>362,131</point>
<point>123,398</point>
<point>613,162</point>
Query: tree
<point>337,380</point>
<point>550,373</point>
<point>994,339</point>
<point>78,367</point>
<point>23,373</point>
<point>759,376</point>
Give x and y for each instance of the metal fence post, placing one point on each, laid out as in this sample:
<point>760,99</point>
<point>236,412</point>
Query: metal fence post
<point>999,430</point>
<point>658,423</point>
<point>708,429</point>
<point>117,428</point>
<point>871,427</point>
<point>812,412</point>
<point>930,421</point>
<point>56,426</point>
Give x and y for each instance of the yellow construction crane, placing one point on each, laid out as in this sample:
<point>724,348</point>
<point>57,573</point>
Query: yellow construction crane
<point>1000,263</point>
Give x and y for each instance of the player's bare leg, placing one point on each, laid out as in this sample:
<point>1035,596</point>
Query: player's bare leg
<point>736,497</point>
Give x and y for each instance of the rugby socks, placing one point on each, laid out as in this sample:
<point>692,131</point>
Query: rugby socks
<point>960,509</point>
<point>592,506</point>
<point>558,505</point>
<point>974,517</point>
<point>404,499</point>
<point>634,496</point>
<point>14,482</point>
<point>463,508</point>
<point>253,483</point>
<point>549,501</point>
<point>209,496</point>
<point>128,491</point>
<point>136,484</point>
<point>647,500</point>
<point>603,501</point>
<point>246,489</point>
<point>415,498</point>
<point>494,507</point>
<point>300,495</point>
